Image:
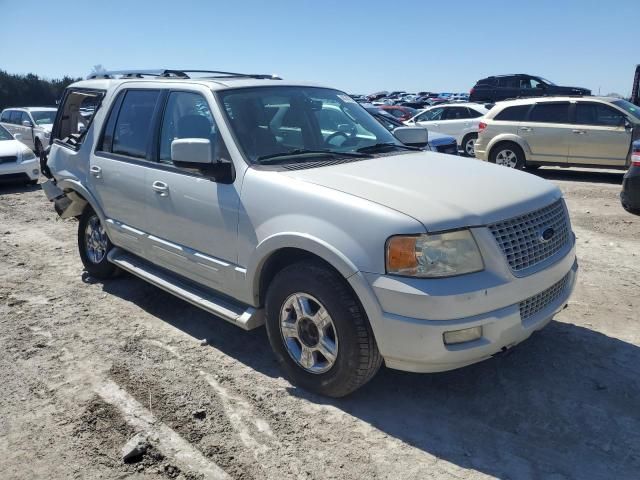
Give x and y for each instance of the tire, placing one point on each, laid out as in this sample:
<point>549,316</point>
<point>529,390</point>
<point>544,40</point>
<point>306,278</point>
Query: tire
<point>91,235</point>
<point>38,148</point>
<point>308,287</point>
<point>508,154</point>
<point>468,144</point>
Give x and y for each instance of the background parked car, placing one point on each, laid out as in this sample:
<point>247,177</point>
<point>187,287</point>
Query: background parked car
<point>32,123</point>
<point>400,112</point>
<point>504,87</point>
<point>17,161</point>
<point>459,120</point>
<point>437,142</point>
<point>630,195</point>
<point>564,131</point>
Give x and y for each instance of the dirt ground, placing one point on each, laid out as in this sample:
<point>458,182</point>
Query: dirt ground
<point>85,365</point>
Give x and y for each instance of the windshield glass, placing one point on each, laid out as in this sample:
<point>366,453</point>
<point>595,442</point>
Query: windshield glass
<point>42,117</point>
<point>629,108</point>
<point>4,134</point>
<point>299,122</point>
<point>544,80</point>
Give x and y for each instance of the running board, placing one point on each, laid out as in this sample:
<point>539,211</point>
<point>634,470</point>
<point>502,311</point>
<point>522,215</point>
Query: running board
<point>243,316</point>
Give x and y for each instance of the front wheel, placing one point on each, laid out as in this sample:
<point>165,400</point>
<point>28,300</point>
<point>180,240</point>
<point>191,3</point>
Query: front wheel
<point>319,332</point>
<point>94,246</point>
<point>508,154</point>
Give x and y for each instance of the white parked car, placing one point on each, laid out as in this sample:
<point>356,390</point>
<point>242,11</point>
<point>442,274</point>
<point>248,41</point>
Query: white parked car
<point>245,195</point>
<point>17,161</point>
<point>32,123</point>
<point>460,120</point>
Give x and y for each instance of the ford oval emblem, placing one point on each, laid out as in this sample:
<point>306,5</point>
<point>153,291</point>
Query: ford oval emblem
<point>547,234</point>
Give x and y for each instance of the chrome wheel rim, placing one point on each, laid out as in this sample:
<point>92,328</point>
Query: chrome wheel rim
<point>507,158</point>
<point>95,240</point>
<point>308,333</point>
<point>470,148</point>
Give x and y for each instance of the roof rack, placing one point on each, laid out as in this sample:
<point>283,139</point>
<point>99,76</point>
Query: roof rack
<point>174,73</point>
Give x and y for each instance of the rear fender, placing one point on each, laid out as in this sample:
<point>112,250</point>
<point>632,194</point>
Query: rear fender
<point>510,137</point>
<point>75,199</point>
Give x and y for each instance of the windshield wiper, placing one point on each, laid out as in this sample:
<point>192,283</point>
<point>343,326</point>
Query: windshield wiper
<point>382,146</point>
<point>304,151</point>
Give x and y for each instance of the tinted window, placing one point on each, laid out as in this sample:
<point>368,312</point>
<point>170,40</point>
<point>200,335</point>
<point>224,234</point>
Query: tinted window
<point>456,113</point>
<point>25,118</point>
<point>598,114</point>
<point>434,114</point>
<point>487,82</point>
<point>474,113</point>
<point>5,116</point>
<point>133,127</point>
<point>508,82</point>
<point>550,113</point>
<point>514,114</point>
<point>16,117</point>
<point>396,113</point>
<point>187,115</point>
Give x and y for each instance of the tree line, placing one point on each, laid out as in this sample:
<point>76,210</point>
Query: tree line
<point>30,90</point>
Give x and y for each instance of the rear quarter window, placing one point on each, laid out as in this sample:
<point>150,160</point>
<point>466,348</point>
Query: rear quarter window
<point>550,113</point>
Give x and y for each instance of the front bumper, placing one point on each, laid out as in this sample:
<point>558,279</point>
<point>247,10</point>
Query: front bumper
<point>28,170</point>
<point>630,195</point>
<point>412,320</point>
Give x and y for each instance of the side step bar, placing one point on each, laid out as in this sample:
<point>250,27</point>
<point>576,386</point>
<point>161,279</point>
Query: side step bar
<point>243,316</point>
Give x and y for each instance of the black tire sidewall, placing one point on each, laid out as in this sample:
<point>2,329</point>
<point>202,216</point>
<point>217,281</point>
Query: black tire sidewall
<point>514,147</point>
<point>466,138</point>
<point>104,269</point>
<point>338,380</point>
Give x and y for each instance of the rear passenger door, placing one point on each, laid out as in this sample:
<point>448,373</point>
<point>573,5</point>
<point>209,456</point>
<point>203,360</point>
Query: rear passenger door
<point>508,87</point>
<point>599,135</point>
<point>548,132</point>
<point>456,121</point>
<point>118,167</point>
<point>192,219</point>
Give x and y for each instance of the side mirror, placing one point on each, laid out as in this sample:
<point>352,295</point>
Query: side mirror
<point>412,136</point>
<point>27,123</point>
<point>195,153</point>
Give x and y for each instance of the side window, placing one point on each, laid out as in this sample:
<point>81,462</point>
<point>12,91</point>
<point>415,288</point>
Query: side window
<point>474,113</point>
<point>133,127</point>
<point>16,117</point>
<point>513,114</point>
<point>550,113</point>
<point>25,118</point>
<point>435,114</point>
<point>75,116</point>
<point>588,113</point>
<point>187,115</point>
<point>5,116</point>
<point>456,113</point>
<point>508,82</point>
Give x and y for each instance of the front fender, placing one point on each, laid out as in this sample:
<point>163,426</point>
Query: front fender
<point>510,137</point>
<point>301,241</point>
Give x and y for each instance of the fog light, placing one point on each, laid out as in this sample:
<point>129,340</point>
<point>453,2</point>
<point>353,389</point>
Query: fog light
<point>462,336</point>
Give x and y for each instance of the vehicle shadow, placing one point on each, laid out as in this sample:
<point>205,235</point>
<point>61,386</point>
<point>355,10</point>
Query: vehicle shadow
<point>563,404</point>
<point>9,187</point>
<point>572,175</point>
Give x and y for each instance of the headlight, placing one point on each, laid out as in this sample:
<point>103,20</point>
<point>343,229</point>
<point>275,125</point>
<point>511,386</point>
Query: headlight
<point>28,155</point>
<point>47,134</point>
<point>433,255</point>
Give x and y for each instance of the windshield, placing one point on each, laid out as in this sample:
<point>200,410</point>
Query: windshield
<point>294,123</point>
<point>544,80</point>
<point>4,134</point>
<point>42,117</point>
<point>628,107</point>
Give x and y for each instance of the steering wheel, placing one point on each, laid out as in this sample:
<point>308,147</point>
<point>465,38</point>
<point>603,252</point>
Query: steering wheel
<point>337,134</point>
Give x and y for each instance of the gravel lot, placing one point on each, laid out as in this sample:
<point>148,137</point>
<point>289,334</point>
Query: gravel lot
<point>84,365</point>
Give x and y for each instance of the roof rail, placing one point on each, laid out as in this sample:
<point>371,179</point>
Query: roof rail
<point>175,73</point>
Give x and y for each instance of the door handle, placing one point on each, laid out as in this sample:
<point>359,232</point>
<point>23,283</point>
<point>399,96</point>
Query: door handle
<point>161,188</point>
<point>526,129</point>
<point>579,132</point>
<point>96,171</point>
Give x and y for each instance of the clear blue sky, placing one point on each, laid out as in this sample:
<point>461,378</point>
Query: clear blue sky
<point>356,46</point>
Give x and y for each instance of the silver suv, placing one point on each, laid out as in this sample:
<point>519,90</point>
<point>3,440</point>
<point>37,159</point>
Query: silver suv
<point>244,195</point>
<point>560,131</point>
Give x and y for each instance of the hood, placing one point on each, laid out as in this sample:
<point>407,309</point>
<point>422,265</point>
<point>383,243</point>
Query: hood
<point>10,148</point>
<point>439,192</point>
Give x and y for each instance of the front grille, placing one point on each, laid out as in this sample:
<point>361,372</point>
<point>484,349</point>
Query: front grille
<point>533,305</point>
<point>521,238</point>
<point>9,159</point>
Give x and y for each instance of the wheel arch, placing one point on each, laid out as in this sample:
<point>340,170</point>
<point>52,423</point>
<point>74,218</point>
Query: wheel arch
<point>510,138</point>
<point>79,197</point>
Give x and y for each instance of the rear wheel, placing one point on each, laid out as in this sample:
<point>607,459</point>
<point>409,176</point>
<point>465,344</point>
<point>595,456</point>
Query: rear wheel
<point>94,246</point>
<point>507,154</point>
<point>318,330</point>
<point>469,144</point>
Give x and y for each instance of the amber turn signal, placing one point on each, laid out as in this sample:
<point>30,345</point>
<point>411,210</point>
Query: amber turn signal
<point>401,254</point>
